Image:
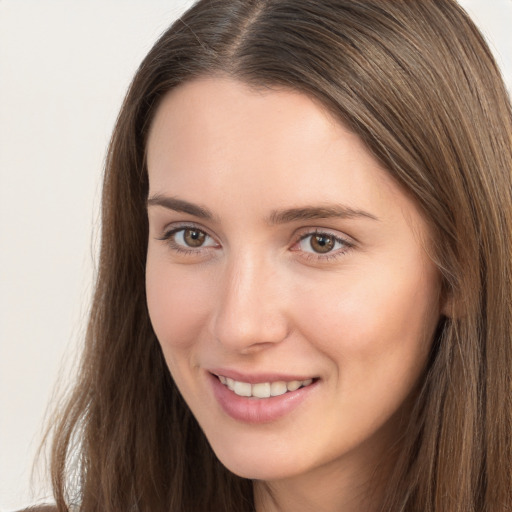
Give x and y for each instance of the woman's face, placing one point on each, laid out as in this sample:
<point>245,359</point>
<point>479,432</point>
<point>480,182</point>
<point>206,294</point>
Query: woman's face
<point>281,255</point>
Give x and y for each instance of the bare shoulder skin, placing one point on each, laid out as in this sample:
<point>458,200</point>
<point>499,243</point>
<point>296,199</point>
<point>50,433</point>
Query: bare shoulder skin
<point>41,508</point>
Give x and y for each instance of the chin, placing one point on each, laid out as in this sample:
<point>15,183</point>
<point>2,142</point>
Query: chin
<point>261,469</point>
<point>257,463</point>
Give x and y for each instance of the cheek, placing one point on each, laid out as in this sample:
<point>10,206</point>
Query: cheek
<point>377,335</point>
<point>178,301</point>
<point>376,326</point>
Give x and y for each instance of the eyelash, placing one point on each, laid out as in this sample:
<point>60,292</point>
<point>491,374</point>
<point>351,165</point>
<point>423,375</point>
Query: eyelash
<point>328,256</point>
<point>168,237</point>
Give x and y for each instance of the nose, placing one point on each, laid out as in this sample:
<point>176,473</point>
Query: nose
<point>251,311</point>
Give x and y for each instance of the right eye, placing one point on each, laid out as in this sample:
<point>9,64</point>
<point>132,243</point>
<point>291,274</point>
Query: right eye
<point>188,239</point>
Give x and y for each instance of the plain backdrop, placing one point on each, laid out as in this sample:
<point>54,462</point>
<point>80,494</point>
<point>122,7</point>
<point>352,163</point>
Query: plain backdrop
<point>64,69</point>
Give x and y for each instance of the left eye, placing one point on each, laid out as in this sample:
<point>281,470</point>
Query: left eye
<point>191,238</point>
<point>321,243</point>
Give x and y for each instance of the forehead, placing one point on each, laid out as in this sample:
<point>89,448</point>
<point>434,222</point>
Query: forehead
<point>217,141</point>
<point>207,110</point>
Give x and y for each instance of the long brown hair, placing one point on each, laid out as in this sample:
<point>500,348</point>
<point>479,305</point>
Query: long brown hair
<point>416,81</point>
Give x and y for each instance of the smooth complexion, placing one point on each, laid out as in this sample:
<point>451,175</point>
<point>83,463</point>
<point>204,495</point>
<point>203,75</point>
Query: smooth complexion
<point>280,249</point>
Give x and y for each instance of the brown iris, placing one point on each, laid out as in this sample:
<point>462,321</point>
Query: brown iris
<point>194,237</point>
<point>322,243</point>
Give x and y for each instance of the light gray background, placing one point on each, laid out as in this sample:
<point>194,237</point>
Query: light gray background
<point>64,68</point>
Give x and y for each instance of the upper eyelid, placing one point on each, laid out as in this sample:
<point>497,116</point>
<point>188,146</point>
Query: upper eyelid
<point>176,229</point>
<point>306,231</point>
<point>312,228</point>
<point>178,226</point>
<point>326,231</point>
<point>171,232</point>
<point>299,235</point>
<point>340,239</point>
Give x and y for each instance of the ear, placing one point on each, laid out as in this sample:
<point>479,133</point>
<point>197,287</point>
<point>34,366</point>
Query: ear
<point>449,305</point>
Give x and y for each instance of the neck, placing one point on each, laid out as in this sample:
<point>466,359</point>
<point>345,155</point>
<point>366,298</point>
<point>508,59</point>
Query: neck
<point>283,496</point>
<point>353,483</point>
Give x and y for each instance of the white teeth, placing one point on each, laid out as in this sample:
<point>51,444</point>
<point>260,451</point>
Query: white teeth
<point>242,388</point>
<point>293,385</point>
<point>278,388</point>
<point>263,389</point>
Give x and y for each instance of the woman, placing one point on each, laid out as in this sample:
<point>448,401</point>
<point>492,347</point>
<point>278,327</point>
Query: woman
<point>305,287</point>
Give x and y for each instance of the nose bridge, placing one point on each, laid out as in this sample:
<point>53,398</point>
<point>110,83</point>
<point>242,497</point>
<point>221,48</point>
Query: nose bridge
<point>250,311</point>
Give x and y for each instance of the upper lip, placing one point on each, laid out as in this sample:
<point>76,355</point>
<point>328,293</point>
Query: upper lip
<point>255,378</point>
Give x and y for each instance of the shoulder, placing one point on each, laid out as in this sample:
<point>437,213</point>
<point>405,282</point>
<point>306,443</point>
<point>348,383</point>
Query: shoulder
<point>40,508</point>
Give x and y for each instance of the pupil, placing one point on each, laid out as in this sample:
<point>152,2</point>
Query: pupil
<point>322,243</point>
<point>194,238</point>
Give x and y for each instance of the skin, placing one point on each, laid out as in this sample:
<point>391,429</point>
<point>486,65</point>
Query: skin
<point>258,297</point>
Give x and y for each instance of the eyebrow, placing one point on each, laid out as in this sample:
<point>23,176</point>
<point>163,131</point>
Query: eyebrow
<point>276,217</point>
<point>317,212</point>
<point>179,205</point>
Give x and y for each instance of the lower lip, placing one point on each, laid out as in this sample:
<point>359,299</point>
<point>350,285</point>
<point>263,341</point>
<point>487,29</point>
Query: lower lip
<point>258,410</point>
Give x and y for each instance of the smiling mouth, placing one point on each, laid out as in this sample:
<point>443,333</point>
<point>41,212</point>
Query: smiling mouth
<point>263,389</point>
